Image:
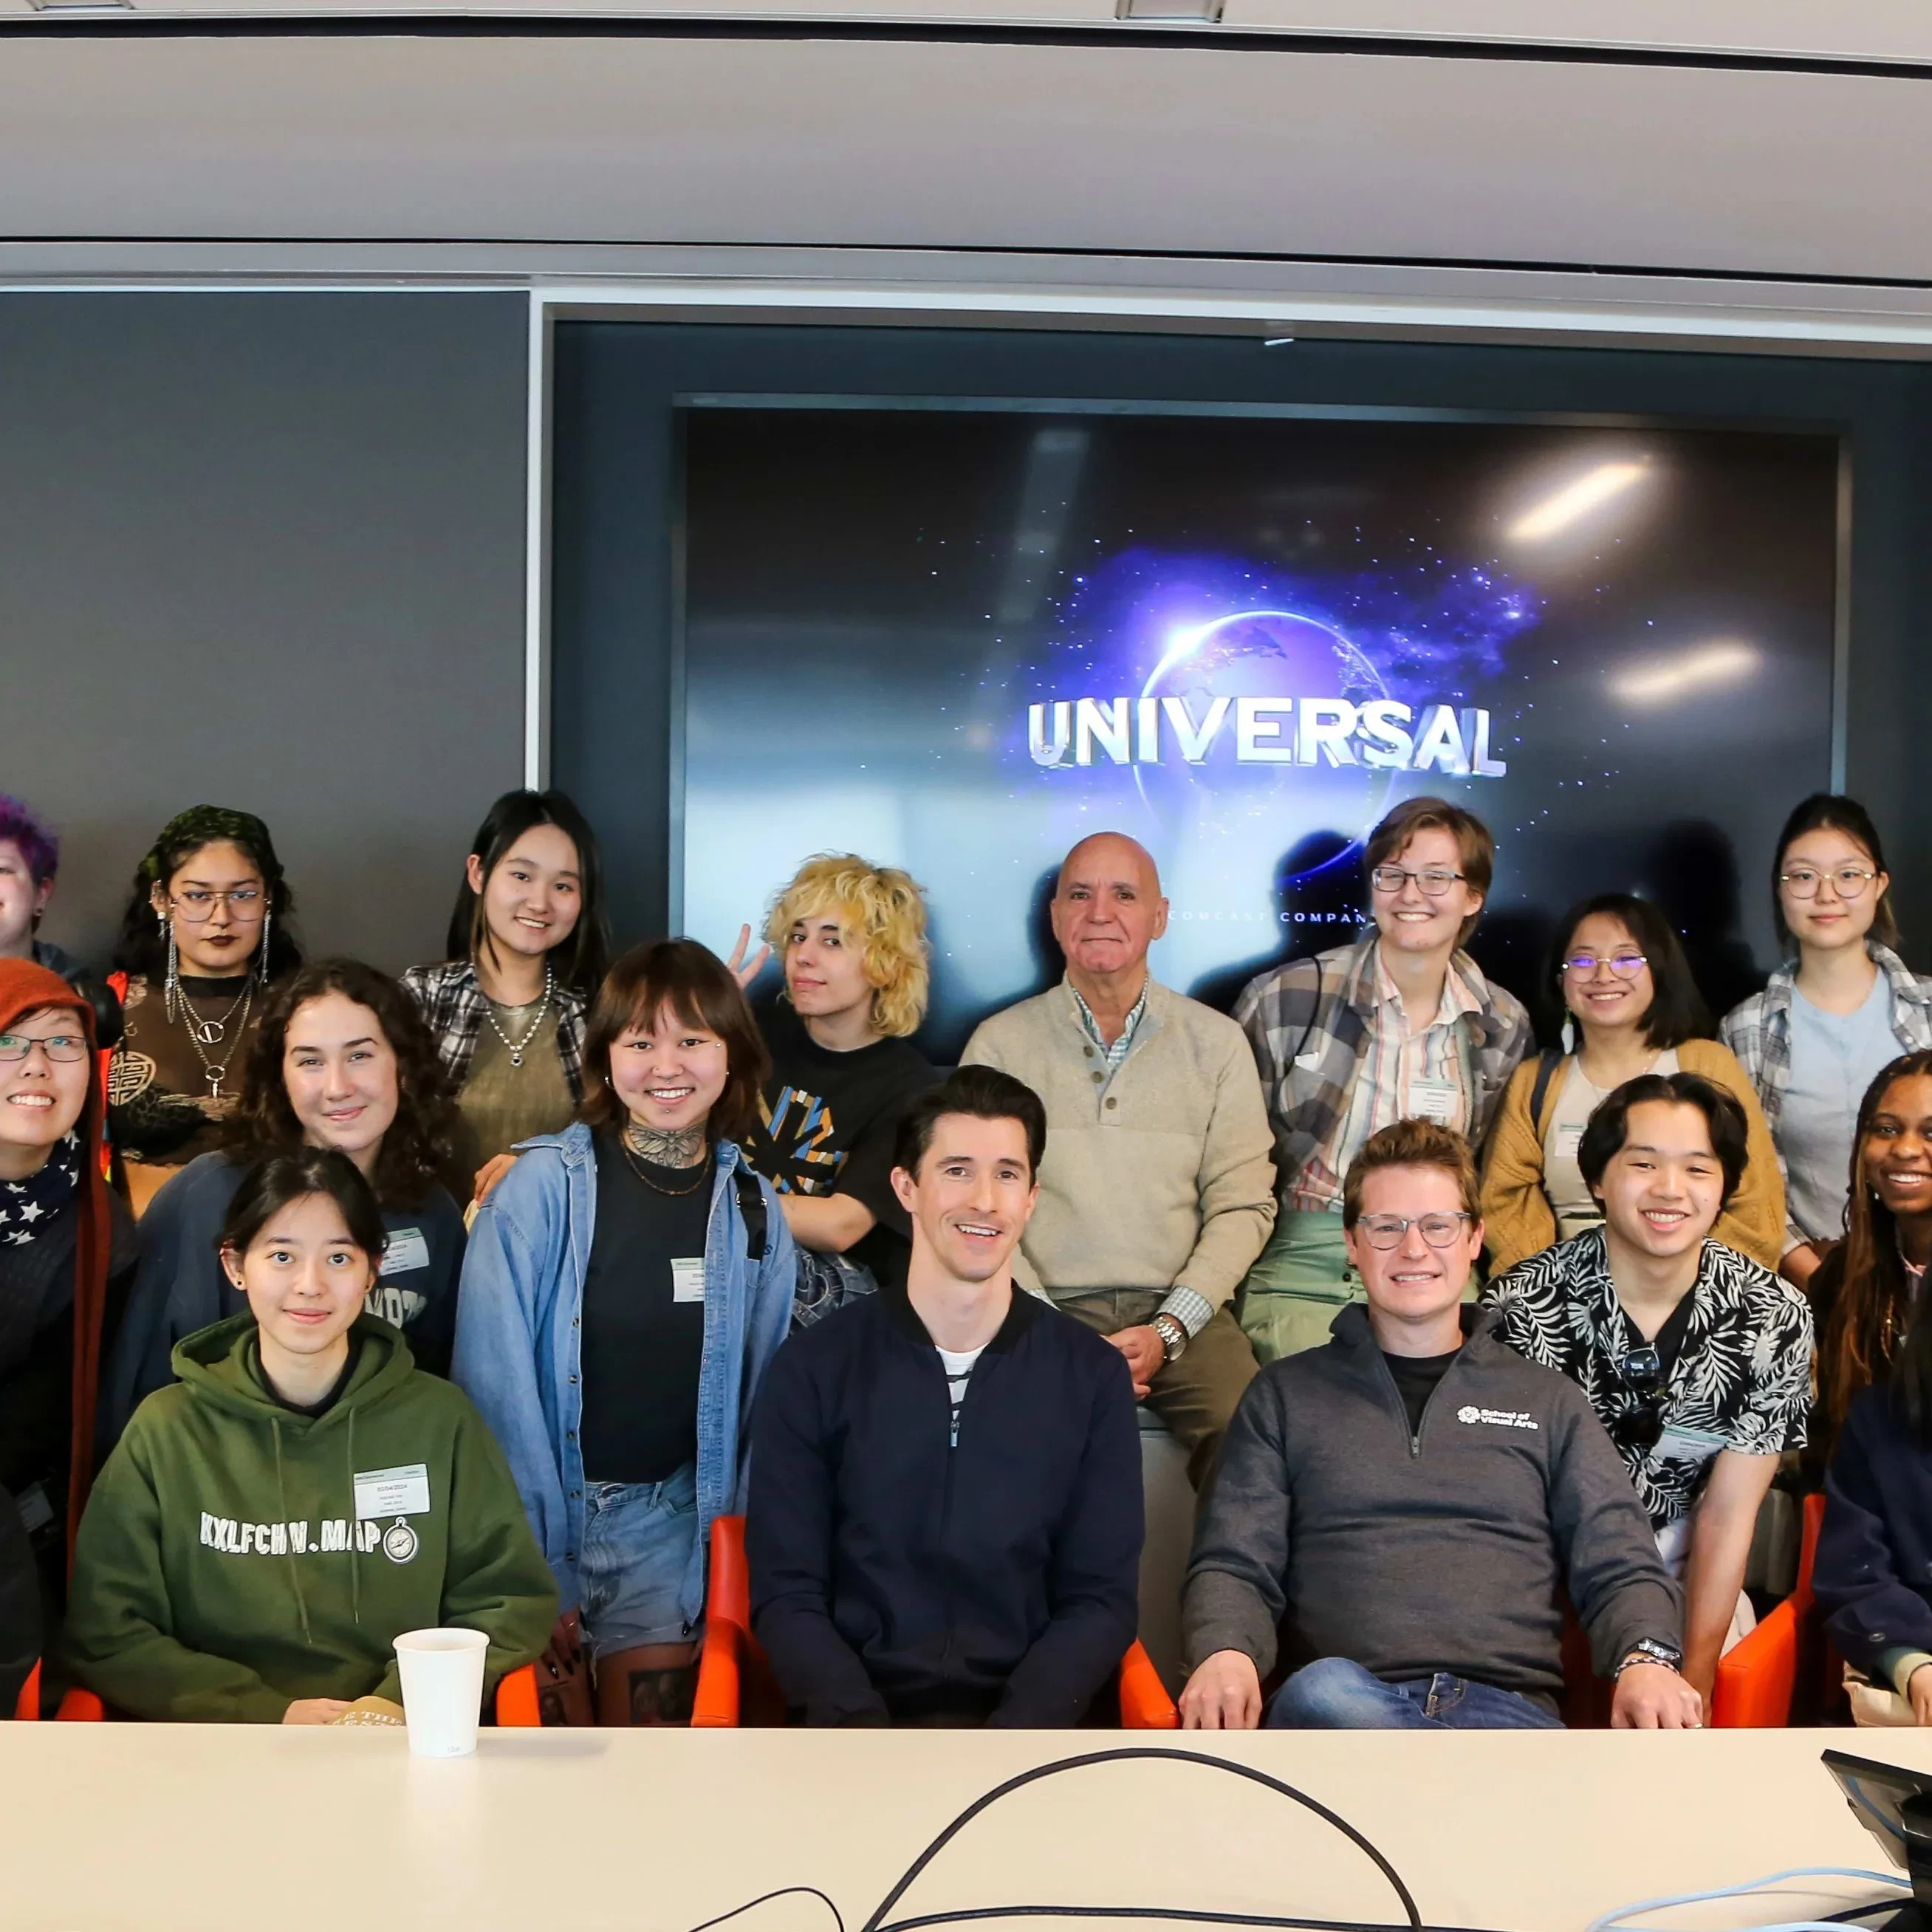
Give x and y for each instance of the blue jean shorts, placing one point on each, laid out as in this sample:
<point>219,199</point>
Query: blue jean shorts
<point>637,1542</point>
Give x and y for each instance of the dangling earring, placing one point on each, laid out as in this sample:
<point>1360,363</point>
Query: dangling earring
<point>171,998</point>
<point>1569,1034</point>
<point>261,959</point>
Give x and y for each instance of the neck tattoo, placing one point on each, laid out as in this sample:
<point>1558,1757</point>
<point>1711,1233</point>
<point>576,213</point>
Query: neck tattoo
<point>680,1147</point>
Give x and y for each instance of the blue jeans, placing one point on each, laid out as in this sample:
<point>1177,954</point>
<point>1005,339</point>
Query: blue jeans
<point>1334,1694</point>
<point>637,1542</point>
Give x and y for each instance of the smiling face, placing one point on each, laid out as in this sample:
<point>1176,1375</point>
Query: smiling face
<point>824,969</point>
<point>1408,919</point>
<point>533,897</point>
<point>1412,1282</point>
<point>972,1197</point>
<point>22,902</point>
<point>217,899</point>
<point>1827,921</point>
<point>1602,997</point>
<point>1897,1152</point>
<point>339,1071</point>
<point>41,1098</point>
<point>1662,1189</point>
<point>1107,908</point>
<point>304,1277</point>
<point>668,1074</point>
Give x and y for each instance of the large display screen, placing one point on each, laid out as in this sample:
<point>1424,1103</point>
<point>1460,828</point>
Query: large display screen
<point>959,639</point>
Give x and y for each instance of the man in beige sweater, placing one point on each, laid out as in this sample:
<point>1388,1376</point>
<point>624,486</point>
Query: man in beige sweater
<point>1158,1188</point>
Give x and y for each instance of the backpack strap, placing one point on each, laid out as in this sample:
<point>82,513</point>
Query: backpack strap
<point>751,1206</point>
<point>1547,1064</point>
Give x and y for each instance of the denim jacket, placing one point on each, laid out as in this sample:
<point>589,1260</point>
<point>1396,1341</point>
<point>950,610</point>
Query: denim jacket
<point>519,1329</point>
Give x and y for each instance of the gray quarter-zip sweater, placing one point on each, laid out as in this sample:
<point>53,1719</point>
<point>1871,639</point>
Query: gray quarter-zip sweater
<point>1447,1551</point>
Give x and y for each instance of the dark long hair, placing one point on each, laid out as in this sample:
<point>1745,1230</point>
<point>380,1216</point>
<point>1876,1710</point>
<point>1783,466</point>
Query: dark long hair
<point>582,960</point>
<point>275,1181</point>
<point>698,988</point>
<point>416,1146</point>
<point>1832,811</point>
<point>1677,1008</point>
<point>142,945</point>
<point>1910,1378</point>
<point>1861,1327</point>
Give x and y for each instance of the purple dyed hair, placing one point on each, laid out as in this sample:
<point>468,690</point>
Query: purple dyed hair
<point>21,824</point>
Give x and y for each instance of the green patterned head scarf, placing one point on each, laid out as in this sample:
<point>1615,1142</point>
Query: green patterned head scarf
<point>200,825</point>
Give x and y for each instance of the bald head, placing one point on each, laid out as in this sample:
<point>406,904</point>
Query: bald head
<point>1108,910</point>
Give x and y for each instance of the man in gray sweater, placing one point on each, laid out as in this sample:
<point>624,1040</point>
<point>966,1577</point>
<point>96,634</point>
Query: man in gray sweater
<point>1158,1189</point>
<point>1413,1497</point>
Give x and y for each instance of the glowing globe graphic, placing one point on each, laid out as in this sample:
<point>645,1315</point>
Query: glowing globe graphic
<point>1277,654</point>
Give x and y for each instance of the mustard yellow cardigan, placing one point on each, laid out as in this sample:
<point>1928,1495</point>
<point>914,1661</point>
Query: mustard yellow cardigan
<point>1518,1221</point>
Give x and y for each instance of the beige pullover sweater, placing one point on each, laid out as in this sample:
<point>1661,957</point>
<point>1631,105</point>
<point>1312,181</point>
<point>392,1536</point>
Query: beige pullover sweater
<point>1157,1177</point>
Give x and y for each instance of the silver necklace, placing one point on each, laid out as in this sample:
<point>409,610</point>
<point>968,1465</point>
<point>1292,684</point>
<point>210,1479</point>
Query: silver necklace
<point>516,1046</point>
<point>200,1031</point>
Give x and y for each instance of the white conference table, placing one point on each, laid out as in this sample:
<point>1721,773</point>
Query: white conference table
<point>275,1830</point>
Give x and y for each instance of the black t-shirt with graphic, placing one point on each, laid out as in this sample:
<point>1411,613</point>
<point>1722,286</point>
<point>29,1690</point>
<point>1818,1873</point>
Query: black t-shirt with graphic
<point>828,1121</point>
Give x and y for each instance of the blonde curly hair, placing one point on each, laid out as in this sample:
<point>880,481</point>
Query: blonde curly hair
<point>882,910</point>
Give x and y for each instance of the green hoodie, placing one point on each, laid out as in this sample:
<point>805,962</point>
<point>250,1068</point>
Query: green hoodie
<point>236,1556</point>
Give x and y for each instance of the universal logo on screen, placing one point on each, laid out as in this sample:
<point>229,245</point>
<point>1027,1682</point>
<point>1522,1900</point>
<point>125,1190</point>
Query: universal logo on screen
<point>1274,688</point>
<point>1383,734</point>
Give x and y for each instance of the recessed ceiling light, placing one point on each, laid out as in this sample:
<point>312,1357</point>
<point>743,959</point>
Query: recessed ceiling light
<point>82,6</point>
<point>1204,12</point>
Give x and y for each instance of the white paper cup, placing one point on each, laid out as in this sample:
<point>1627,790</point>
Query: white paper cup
<point>443,1689</point>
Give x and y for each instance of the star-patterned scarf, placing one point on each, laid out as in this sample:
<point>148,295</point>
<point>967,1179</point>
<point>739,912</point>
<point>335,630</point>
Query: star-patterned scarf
<point>29,1208</point>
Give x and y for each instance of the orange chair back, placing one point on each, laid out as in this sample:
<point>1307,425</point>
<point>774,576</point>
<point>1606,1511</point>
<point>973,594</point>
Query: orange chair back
<point>27,1705</point>
<point>517,1706</point>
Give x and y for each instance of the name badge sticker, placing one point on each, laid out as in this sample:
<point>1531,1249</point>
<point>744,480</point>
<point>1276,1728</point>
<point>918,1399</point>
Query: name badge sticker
<point>1568,1139</point>
<point>1434,1100</point>
<point>1687,1445</point>
<point>687,1278</point>
<point>402,1491</point>
<point>405,1250</point>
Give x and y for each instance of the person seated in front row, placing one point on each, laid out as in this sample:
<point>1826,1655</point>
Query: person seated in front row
<point>946,1517</point>
<point>1160,1192</point>
<point>1875,1550</point>
<point>270,1524</point>
<point>342,1059</point>
<point>1414,1497</point>
<point>1696,1359</point>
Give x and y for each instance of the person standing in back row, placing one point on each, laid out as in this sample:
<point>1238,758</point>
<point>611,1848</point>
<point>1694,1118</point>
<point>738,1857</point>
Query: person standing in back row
<point>1157,1194</point>
<point>1403,1025</point>
<point>1816,1037</point>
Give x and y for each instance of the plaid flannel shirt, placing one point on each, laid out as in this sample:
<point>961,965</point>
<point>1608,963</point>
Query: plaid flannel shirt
<point>456,1010</point>
<point>1308,1023</point>
<point>1758,1030</point>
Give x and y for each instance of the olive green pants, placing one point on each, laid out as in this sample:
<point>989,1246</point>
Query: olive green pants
<point>1298,1284</point>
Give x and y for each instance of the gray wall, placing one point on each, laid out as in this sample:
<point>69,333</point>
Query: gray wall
<point>264,550</point>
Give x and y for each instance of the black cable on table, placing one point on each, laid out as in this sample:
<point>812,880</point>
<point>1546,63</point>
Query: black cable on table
<point>765,1898</point>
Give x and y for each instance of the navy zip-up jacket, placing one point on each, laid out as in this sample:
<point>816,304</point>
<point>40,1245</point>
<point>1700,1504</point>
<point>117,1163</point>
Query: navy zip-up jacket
<point>1872,1574</point>
<point>893,1574</point>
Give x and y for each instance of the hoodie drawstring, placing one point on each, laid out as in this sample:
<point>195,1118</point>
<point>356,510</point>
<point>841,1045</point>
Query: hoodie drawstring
<point>355,1533</point>
<point>282,1503</point>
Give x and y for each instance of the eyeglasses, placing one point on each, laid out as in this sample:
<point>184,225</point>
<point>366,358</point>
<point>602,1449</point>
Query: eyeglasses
<point>64,1046</point>
<point>1435,882</point>
<point>1625,965</point>
<point>1849,882</point>
<point>196,907</point>
<point>1642,1372</point>
<point>1388,1231</point>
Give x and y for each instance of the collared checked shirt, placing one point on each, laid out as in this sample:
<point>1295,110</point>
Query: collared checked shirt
<point>1311,1024</point>
<point>1742,1380</point>
<point>456,1008</point>
<point>1758,1030</point>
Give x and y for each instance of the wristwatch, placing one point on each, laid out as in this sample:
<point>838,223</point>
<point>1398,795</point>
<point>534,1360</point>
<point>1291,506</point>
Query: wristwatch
<point>1173,1333</point>
<point>1647,1650</point>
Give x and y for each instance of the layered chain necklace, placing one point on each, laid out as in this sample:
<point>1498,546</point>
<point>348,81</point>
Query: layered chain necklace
<point>516,1046</point>
<point>635,1162</point>
<point>203,1034</point>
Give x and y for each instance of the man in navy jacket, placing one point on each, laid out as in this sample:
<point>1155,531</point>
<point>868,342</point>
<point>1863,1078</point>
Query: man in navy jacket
<point>946,1520</point>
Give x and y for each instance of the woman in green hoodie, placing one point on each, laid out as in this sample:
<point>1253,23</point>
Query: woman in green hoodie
<point>302,1495</point>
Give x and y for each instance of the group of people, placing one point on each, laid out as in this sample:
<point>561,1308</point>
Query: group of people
<point>332,1305</point>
